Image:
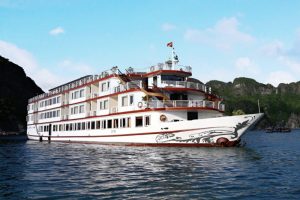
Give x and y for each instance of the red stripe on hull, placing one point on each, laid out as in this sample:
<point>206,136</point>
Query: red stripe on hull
<point>229,144</point>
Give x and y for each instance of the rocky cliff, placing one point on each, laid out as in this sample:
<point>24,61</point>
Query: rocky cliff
<point>281,104</point>
<point>15,90</point>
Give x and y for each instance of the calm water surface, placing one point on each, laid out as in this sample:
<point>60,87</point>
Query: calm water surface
<point>267,167</point>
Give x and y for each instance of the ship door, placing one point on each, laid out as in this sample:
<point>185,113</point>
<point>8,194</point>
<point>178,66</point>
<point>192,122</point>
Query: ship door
<point>155,80</point>
<point>192,115</point>
<point>145,83</point>
<point>49,136</point>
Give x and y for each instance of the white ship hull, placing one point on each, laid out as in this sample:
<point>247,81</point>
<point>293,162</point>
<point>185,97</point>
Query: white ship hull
<point>218,131</point>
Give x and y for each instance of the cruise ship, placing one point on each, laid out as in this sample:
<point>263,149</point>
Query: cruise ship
<point>157,106</point>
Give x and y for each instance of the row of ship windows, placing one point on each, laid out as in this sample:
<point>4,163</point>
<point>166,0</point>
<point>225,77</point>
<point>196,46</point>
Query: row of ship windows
<point>80,109</point>
<point>103,105</point>
<point>77,94</point>
<point>50,102</point>
<point>80,94</point>
<point>77,110</point>
<point>51,114</point>
<point>140,121</point>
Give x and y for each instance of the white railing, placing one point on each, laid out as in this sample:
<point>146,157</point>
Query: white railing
<point>185,104</point>
<point>163,66</point>
<point>127,86</point>
<point>131,70</point>
<point>184,84</point>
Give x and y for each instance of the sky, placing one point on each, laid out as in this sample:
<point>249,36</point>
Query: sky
<point>60,40</point>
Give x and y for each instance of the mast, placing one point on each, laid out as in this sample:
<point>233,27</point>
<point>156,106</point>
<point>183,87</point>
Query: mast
<point>173,56</point>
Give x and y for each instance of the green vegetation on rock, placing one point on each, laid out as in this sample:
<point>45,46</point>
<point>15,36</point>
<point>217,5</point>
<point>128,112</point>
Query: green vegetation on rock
<point>278,103</point>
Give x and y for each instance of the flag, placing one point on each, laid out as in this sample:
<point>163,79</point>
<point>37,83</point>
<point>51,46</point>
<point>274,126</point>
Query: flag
<point>170,44</point>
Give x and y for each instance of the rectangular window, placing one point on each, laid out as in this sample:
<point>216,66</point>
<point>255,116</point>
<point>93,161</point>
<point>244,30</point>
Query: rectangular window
<point>147,120</point>
<point>103,124</point>
<point>58,99</point>
<point>109,123</point>
<point>93,125</point>
<point>125,101</point>
<point>128,124</point>
<point>131,100</point>
<point>81,93</point>
<point>101,105</point>
<point>83,125</point>
<point>116,123</point>
<point>60,127</point>
<point>67,127</point>
<point>139,121</point>
<point>103,87</point>
<point>78,126</point>
<point>81,109</point>
<point>88,127</point>
<point>76,110</point>
<point>105,104</point>
<point>122,122</point>
<point>98,125</point>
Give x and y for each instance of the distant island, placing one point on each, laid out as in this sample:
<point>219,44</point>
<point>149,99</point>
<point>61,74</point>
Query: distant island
<point>281,104</point>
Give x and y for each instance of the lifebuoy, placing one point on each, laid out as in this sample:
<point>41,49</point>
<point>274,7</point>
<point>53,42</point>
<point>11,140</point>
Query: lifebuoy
<point>163,118</point>
<point>222,141</point>
<point>140,104</point>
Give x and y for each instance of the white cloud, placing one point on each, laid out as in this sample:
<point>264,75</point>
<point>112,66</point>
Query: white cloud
<point>280,77</point>
<point>76,67</point>
<point>43,77</point>
<point>246,65</point>
<point>168,27</point>
<point>57,31</point>
<point>288,57</point>
<point>274,48</point>
<point>223,35</point>
<point>17,55</point>
<point>292,64</point>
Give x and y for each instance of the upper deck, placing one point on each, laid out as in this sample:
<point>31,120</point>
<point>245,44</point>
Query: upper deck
<point>138,73</point>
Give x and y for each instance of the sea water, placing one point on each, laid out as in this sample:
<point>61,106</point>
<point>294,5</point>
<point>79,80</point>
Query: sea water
<point>266,167</point>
